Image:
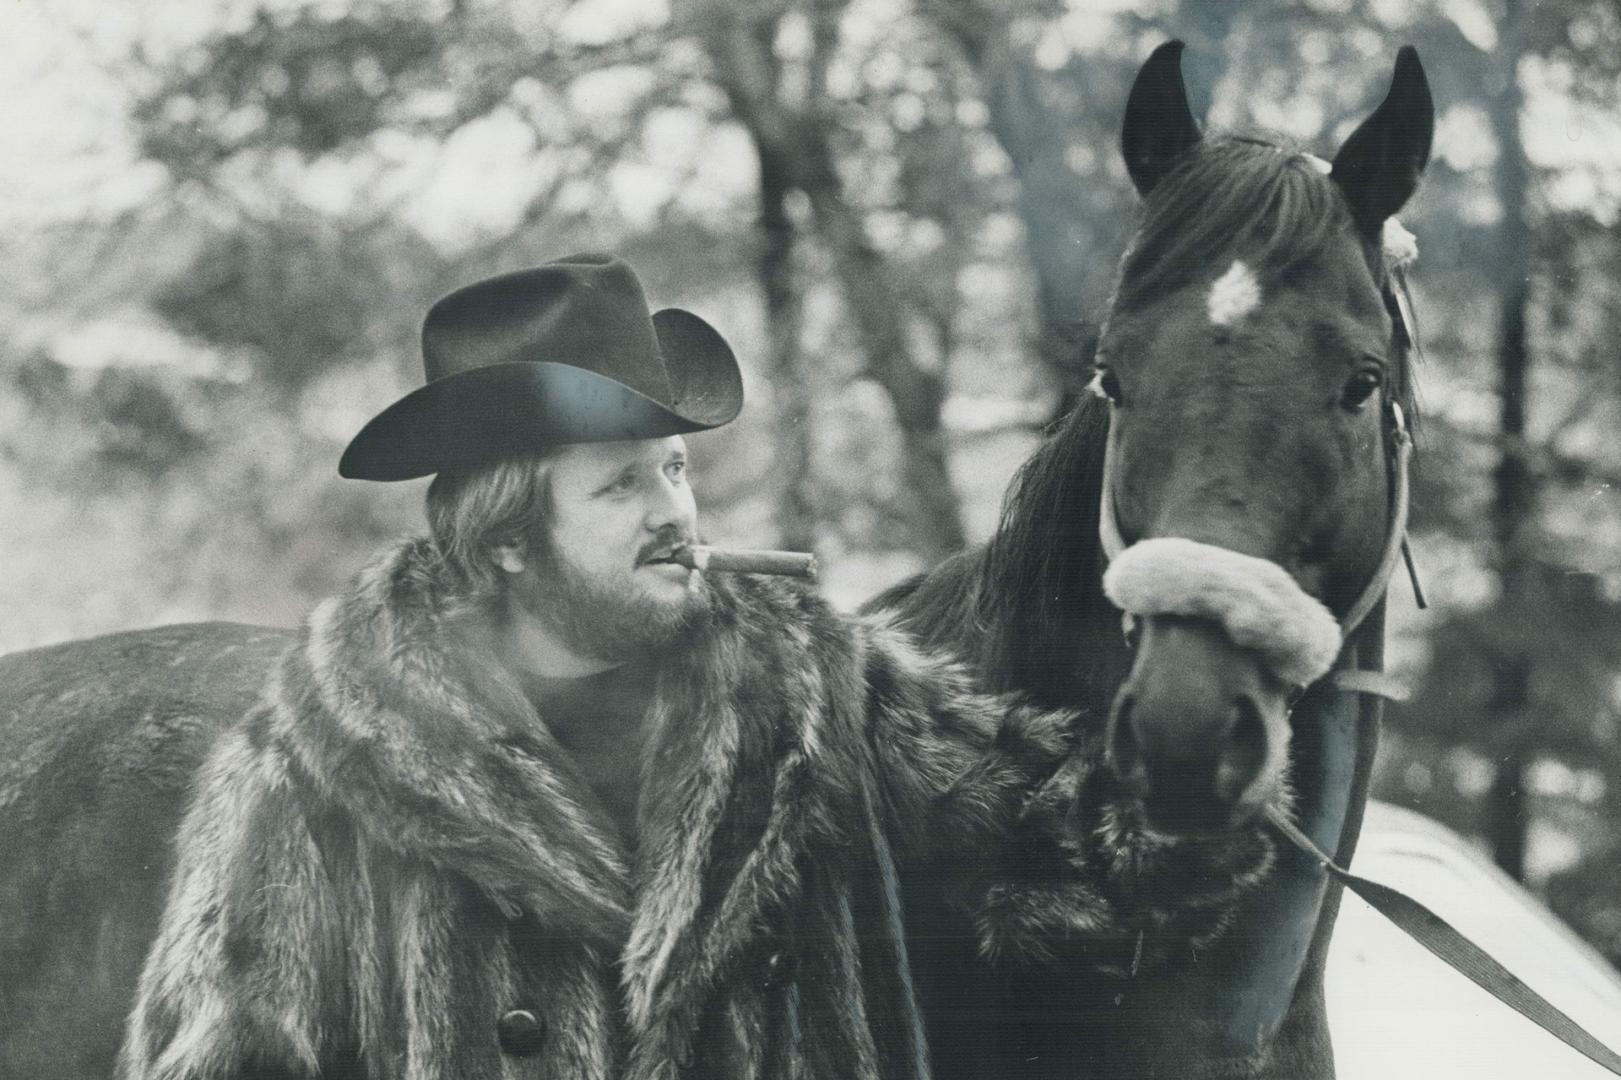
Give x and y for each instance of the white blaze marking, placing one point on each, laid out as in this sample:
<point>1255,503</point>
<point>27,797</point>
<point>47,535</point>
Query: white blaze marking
<point>1234,295</point>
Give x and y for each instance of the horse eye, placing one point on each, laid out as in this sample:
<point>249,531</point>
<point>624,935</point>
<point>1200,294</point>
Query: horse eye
<point>1360,387</point>
<point>1105,385</point>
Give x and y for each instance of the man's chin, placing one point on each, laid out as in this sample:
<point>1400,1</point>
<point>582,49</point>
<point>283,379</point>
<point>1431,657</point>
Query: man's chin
<point>672,606</point>
<point>649,610</point>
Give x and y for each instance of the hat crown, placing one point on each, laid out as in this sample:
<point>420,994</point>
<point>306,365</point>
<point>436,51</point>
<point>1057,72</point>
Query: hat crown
<point>561,353</point>
<point>586,311</point>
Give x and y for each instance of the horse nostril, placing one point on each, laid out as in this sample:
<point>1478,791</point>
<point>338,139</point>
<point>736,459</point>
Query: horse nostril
<point>1244,752</point>
<point>1121,747</point>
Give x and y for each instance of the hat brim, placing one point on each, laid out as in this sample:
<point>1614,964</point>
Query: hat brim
<point>478,416</point>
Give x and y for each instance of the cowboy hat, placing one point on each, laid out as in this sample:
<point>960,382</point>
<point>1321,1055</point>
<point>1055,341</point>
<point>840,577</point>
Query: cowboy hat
<point>566,352</point>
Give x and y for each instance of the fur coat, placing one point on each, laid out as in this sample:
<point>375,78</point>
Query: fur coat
<point>391,869</point>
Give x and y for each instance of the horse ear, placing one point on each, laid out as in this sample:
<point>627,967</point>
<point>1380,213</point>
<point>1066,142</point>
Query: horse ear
<point>1159,126</point>
<point>1379,165</point>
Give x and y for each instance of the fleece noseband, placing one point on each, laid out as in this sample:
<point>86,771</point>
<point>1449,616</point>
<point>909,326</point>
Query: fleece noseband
<point>1255,600</point>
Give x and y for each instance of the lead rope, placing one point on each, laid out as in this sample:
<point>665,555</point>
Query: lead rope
<point>1418,922</point>
<point>1457,951</point>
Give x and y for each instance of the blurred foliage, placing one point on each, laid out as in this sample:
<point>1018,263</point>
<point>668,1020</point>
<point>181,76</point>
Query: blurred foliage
<point>311,82</point>
<point>303,294</point>
<point>176,382</point>
<point>1588,895</point>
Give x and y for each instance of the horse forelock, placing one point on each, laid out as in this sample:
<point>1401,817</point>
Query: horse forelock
<point>1269,207</point>
<point>1231,198</point>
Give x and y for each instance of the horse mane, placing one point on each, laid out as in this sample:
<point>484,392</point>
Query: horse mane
<point>1041,573</point>
<point>1016,608</point>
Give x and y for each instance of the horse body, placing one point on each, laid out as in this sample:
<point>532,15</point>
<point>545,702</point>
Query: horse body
<point>102,738</point>
<point>1234,420</point>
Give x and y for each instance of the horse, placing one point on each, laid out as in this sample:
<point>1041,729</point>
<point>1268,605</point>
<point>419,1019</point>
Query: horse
<point>101,740</point>
<point>1258,437</point>
<point>1248,418</point>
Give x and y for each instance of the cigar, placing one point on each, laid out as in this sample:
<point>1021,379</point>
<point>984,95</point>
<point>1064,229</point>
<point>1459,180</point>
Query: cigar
<point>798,564</point>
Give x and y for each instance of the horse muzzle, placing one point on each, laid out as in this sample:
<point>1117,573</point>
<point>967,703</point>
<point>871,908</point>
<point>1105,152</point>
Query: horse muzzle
<point>1199,732</point>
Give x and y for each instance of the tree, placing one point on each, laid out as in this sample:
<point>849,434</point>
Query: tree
<point>1057,129</point>
<point>1514,505</point>
<point>326,86</point>
<point>797,142</point>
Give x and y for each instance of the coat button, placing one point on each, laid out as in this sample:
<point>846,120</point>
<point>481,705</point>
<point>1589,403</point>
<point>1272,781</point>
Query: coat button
<point>520,1033</point>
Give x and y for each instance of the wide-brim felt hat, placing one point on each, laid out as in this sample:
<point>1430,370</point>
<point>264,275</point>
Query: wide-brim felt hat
<point>561,353</point>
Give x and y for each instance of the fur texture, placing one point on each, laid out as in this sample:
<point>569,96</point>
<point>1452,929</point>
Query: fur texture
<point>393,851</point>
<point>1259,604</point>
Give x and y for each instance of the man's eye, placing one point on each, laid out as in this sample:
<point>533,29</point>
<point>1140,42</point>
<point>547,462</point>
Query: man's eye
<point>623,483</point>
<point>677,470</point>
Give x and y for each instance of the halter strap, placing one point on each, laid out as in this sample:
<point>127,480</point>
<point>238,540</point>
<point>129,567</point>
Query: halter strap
<point>1108,528</point>
<point>1396,535</point>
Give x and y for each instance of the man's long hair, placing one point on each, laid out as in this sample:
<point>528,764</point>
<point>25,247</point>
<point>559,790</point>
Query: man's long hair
<point>473,511</point>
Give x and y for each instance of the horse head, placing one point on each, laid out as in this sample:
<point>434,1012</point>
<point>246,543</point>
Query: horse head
<point>1255,365</point>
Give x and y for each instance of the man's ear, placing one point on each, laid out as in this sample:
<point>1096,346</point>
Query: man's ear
<point>509,557</point>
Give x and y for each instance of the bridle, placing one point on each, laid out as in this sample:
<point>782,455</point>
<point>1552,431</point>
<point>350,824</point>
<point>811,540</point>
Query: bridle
<point>1399,453</point>
<point>1255,1011</point>
<point>1395,550</point>
<point>1289,911</point>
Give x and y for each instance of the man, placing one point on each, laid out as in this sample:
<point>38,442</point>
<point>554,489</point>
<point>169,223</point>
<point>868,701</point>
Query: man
<point>533,799</point>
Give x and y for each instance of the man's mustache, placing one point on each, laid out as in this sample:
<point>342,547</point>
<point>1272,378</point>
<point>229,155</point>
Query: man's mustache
<point>666,543</point>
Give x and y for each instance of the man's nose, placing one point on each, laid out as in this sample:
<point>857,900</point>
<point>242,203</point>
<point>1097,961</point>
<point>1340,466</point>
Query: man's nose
<point>670,505</point>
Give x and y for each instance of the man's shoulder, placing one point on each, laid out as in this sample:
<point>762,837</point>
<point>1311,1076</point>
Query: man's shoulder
<point>403,596</point>
<point>407,573</point>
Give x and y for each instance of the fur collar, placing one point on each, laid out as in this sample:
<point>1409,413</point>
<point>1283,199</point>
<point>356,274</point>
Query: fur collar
<point>426,742</point>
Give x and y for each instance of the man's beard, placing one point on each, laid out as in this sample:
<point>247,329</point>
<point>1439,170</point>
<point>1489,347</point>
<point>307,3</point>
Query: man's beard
<point>604,622</point>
